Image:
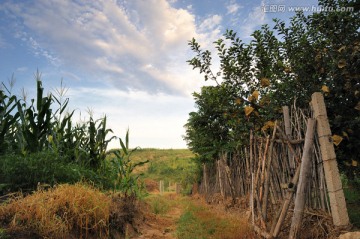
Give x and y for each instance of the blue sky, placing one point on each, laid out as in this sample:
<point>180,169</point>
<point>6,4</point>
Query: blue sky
<point>123,59</point>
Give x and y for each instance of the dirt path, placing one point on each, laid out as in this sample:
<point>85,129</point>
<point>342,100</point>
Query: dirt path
<point>190,217</point>
<point>161,225</point>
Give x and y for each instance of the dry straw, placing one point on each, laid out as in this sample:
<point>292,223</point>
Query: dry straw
<point>60,212</point>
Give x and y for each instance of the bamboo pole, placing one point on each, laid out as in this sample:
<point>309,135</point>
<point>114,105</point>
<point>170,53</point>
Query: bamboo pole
<point>267,174</point>
<point>286,204</point>
<point>336,194</point>
<point>205,179</point>
<point>287,121</point>
<point>228,175</point>
<point>259,164</point>
<point>262,178</point>
<point>252,200</point>
<point>304,180</point>
<point>287,140</point>
<point>222,191</point>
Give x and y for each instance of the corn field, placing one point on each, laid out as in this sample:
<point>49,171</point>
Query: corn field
<point>35,136</point>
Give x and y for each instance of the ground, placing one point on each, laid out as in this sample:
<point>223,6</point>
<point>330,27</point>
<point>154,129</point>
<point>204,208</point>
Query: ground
<point>170,215</point>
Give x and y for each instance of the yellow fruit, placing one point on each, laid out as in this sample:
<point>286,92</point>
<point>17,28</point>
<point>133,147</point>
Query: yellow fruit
<point>248,110</point>
<point>342,63</point>
<point>337,139</point>
<point>264,82</point>
<point>325,89</point>
<point>287,69</point>
<point>341,49</point>
<point>268,124</point>
<point>255,94</point>
<point>238,101</point>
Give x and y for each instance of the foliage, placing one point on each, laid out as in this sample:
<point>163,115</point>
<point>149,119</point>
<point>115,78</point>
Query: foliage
<point>19,172</point>
<point>39,143</point>
<point>123,167</point>
<point>352,197</point>
<point>318,52</point>
<point>219,123</point>
<point>7,119</point>
<point>36,121</point>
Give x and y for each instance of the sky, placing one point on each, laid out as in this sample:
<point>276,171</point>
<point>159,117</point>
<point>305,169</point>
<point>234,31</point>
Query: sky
<point>124,59</point>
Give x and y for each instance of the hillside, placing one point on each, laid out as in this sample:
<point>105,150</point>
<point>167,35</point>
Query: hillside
<point>170,165</point>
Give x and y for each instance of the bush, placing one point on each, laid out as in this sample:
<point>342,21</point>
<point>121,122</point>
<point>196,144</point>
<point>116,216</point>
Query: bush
<point>26,172</point>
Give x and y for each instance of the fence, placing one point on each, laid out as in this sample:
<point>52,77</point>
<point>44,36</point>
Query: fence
<point>176,187</point>
<point>293,166</point>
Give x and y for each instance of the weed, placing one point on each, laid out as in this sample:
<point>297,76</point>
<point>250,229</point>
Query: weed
<point>122,168</point>
<point>159,205</point>
<point>189,227</point>
<point>199,222</point>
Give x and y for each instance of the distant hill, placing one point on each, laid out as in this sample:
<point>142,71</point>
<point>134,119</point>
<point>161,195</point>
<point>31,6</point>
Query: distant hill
<point>170,165</point>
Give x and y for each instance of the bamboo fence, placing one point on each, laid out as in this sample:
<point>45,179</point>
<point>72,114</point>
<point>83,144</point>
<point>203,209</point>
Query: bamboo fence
<point>268,172</point>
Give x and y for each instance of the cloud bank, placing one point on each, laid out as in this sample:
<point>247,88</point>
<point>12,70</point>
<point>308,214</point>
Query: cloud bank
<point>134,44</point>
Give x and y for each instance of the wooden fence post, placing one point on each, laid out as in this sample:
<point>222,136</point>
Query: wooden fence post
<point>178,188</point>
<point>161,185</point>
<point>287,201</point>
<point>206,181</point>
<point>305,176</point>
<point>287,123</point>
<point>336,194</point>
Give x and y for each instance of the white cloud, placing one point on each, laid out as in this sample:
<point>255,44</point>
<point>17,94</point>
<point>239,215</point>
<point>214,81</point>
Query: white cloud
<point>209,29</point>
<point>148,116</point>
<point>256,18</point>
<point>114,41</point>
<point>233,8</point>
<point>22,69</point>
<point>210,23</point>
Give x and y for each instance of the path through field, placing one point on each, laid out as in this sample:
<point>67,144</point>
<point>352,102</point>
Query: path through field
<point>189,217</point>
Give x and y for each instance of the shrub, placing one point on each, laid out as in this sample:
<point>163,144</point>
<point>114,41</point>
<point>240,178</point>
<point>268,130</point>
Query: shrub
<point>26,172</point>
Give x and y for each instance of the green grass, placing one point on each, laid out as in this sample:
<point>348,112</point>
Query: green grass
<point>352,196</point>
<point>159,204</point>
<point>192,225</point>
<point>199,222</point>
<point>170,165</point>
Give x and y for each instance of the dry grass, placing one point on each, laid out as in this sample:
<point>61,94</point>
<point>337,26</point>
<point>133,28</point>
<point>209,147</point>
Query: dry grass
<point>316,224</point>
<point>60,212</point>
